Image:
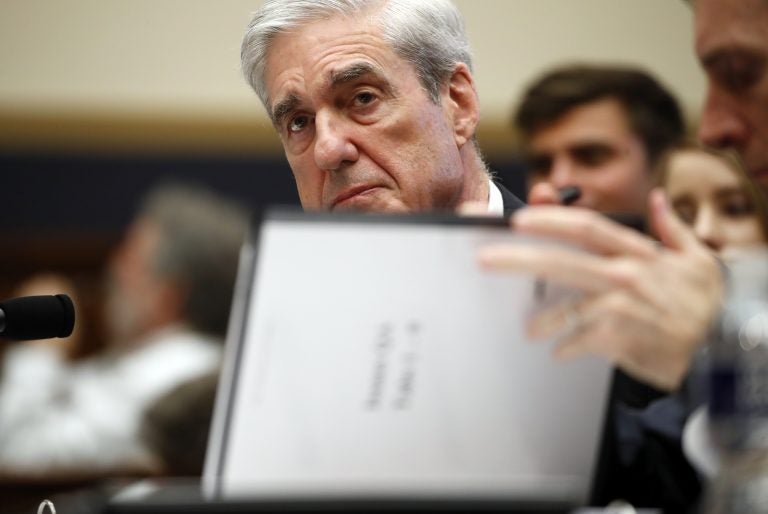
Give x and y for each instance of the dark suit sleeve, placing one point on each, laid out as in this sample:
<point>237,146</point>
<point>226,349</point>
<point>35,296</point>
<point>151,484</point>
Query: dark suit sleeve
<point>641,457</point>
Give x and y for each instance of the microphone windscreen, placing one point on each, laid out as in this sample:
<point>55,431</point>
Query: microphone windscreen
<point>38,317</point>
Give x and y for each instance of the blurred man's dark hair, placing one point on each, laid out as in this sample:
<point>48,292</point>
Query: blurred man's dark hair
<point>652,112</point>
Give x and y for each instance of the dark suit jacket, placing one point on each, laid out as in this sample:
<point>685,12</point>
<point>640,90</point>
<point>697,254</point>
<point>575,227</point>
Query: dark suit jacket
<point>641,457</point>
<point>511,202</point>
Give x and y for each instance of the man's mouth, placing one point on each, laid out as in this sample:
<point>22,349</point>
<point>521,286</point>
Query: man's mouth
<point>350,194</point>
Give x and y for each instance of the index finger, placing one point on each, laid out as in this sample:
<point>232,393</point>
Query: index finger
<point>568,267</point>
<point>587,229</point>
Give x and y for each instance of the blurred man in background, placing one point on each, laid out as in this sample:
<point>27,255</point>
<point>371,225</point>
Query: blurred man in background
<point>732,46</point>
<point>731,41</point>
<point>597,128</point>
<point>602,130</point>
<point>169,291</point>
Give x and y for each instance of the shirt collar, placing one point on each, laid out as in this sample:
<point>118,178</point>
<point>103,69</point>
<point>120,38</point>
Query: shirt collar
<point>495,201</point>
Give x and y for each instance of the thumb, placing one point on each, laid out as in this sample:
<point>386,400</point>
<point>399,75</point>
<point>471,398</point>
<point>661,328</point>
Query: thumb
<point>543,193</point>
<point>670,229</point>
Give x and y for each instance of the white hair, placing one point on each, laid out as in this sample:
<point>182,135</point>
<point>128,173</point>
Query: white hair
<point>429,34</point>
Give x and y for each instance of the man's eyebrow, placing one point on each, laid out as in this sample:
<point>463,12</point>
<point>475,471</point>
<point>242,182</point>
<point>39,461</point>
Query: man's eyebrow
<point>354,72</point>
<point>592,147</point>
<point>282,108</point>
<point>350,73</point>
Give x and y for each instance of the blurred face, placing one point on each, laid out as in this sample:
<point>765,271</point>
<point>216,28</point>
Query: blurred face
<point>732,45</point>
<point>708,195</point>
<point>359,131</point>
<point>592,147</point>
<point>133,294</point>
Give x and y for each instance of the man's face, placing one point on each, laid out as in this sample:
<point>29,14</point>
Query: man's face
<point>358,129</point>
<point>133,290</point>
<point>732,45</point>
<point>593,147</point>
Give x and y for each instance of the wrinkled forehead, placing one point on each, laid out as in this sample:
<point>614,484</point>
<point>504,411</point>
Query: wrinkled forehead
<point>724,23</point>
<point>322,31</point>
<point>323,43</point>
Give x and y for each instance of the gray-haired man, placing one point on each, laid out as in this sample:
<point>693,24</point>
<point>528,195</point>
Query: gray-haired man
<point>374,102</point>
<point>376,108</point>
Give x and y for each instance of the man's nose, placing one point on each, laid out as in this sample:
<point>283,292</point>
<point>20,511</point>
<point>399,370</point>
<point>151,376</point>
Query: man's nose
<point>708,229</point>
<point>333,144</point>
<point>563,172</point>
<point>721,125</point>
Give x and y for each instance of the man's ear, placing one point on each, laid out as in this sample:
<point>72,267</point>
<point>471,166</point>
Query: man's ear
<point>463,104</point>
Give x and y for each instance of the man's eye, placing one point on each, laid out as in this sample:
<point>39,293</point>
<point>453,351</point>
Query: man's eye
<point>737,80</point>
<point>591,156</point>
<point>539,165</point>
<point>364,98</point>
<point>741,81</point>
<point>298,123</point>
<point>738,73</point>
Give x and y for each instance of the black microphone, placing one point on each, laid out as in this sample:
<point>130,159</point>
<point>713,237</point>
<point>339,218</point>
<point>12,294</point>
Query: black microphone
<point>37,317</point>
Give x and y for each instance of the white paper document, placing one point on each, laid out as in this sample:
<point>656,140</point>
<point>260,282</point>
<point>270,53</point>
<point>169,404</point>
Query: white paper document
<point>369,357</point>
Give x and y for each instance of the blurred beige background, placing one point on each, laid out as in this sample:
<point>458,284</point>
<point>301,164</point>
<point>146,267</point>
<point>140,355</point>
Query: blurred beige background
<point>164,74</point>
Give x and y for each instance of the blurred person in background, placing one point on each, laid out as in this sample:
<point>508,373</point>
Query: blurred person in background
<point>602,129</point>
<point>731,41</point>
<point>170,283</point>
<point>711,191</point>
<point>598,128</point>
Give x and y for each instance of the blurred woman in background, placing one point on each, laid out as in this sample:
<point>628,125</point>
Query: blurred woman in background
<point>710,190</point>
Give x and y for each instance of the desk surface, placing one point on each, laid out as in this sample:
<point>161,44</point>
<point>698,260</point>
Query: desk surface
<point>187,498</point>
